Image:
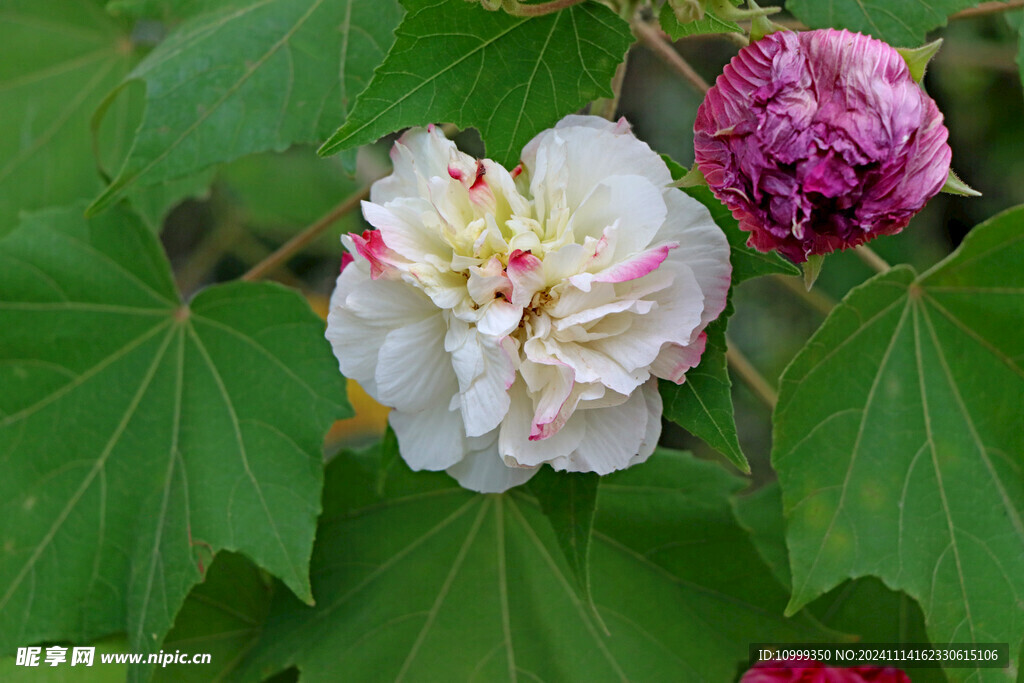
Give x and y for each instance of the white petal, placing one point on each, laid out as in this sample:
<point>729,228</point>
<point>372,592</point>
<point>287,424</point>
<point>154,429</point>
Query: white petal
<point>613,436</point>
<point>413,369</point>
<point>552,386</point>
<point>563,263</point>
<point>418,155</point>
<point>410,227</point>
<point>445,288</point>
<point>507,196</point>
<point>631,268</point>
<point>593,154</point>
<point>673,320</point>
<point>500,318</point>
<point>631,203</point>
<point>588,364</point>
<point>702,246</point>
<point>483,471</point>
<point>514,442</point>
<point>358,322</point>
<point>487,280</point>
<point>430,439</point>
<point>638,306</point>
<point>526,273</point>
<point>485,372</point>
<point>619,127</point>
<point>652,398</point>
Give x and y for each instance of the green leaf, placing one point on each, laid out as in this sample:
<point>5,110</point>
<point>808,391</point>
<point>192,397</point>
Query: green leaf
<point>862,608</point>
<point>509,77</point>
<point>138,435</point>
<point>569,501</point>
<point>433,579</point>
<point>250,76</point>
<point>63,59</point>
<point>898,442</point>
<point>702,405</point>
<point>709,24</point>
<point>902,26</point>
<point>760,513</point>
<point>223,616</point>
<point>60,60</point>
<point>162,10</point>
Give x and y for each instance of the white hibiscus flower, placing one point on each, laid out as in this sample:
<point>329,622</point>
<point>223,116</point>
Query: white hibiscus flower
<point>512,319</point>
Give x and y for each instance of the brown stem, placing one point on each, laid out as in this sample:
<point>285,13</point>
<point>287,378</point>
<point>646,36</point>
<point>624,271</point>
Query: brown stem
<point>654,40</point>
<point>987,8</point>
<point>868,256</point>
<point>540,9</point>
<point>812,297</point>
<point>295,244</point>
<point>749,374</point>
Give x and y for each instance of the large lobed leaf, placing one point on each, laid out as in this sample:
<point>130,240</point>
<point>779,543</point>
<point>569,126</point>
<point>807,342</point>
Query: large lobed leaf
<point>432,581</point>
<point>138,435</point>
<point>249,76</point>
<point>509,77</point>
<point>60,59</point>
<point>899,442</point>
<point>864,609</point>
<point>903,24</point>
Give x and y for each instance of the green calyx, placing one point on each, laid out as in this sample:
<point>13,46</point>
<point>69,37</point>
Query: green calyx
<point>917,58</point>
<point>956,186</point>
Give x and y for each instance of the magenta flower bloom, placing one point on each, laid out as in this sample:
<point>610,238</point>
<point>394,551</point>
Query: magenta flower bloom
<point>815,672</point>
<point>820,140</point>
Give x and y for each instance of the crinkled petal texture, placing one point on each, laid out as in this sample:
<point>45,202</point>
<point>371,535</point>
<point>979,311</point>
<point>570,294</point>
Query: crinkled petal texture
<point>517,318</point>
<point>815,672</point>
<point>820,140</point>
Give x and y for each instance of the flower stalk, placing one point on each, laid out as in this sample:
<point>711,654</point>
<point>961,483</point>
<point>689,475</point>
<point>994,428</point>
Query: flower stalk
<point>301,240</point>
<point>742,366</point>
<point>654,40</point>
<point>872,259</point>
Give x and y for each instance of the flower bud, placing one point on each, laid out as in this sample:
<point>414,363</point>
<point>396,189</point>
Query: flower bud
<point>819,141</point>
<point>815,672</point>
